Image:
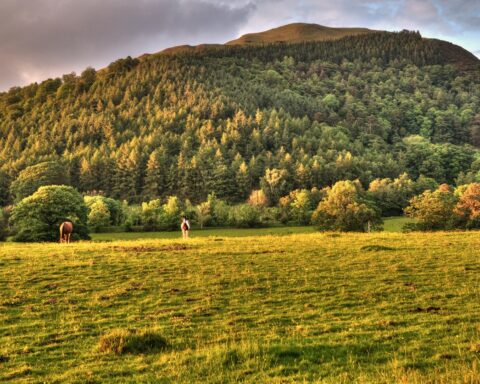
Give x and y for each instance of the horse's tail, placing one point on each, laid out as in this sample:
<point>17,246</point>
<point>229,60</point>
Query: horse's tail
<point>61,232</point>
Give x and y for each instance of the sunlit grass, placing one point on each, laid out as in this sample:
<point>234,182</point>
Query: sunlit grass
<point>332,308</point>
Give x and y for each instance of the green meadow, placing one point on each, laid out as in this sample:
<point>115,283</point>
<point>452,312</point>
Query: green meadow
<point>285,308</point>
<point>391,224</point>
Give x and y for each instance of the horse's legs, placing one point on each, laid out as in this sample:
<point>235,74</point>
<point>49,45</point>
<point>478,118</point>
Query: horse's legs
<point>68,238</point>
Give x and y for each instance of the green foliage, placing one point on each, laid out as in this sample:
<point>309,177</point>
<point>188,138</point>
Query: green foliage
<point>392,196</point>
<point>3,225</point>
<point>114,208</point>
<point>152,214</point>
<point>35,176</point>
<point>38,217</point>
<point>98,216</point>
<point>346,208</point>
<point>245,216</point>
<point>433,209</point>
<point>234,119</point>
<point>172,212</point>
<point>132,214</point>
<point>4,188</point>
<point>274,184</point>
<point>297,207</point>
<point>203,213</point>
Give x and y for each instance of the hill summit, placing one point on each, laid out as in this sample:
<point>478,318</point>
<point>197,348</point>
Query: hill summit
<point>297,33</point>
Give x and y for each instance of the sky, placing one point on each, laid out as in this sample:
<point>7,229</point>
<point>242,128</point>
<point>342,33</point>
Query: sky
<point>47,38</point>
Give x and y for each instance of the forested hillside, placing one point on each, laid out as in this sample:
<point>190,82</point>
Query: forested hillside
<point>221,119</point>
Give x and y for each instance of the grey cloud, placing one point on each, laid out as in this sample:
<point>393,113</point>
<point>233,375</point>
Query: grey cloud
<point>42,38</point>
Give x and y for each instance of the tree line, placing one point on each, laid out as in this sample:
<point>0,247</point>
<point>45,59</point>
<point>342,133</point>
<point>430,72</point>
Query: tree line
<point>346,206</point>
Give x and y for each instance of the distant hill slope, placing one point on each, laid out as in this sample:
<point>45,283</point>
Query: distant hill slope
<point>454,54</point>
<point>222,118</point>
<point>297,33</point>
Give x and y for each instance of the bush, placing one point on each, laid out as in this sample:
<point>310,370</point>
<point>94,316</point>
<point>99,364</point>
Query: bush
<point>120,341</point>
<point>151,215</point>
<point>203,213</point>
<point>433,210</point>
<point>38,217</point>
<point>99,216</point>
<point>132,216</point>
<point>219,211</point>
<point>114,207</point>
<point>296,207</point>
<point>170,219</point>
<point>467,210</point>
<point>346,208</point>
<point>392,196</point>
<point>245,216</point>
<point>258,198</point>
<point>35,176</point>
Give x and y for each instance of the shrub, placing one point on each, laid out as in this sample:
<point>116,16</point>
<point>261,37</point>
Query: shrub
<point>258,198</point>
<point>296,207</point>
<point>219,211</point>
<point>346,208</point>
<point>274,184</point>
<point>99,216</point>
<point>35,176</point>
<point>152,215</point>
<point>467,209</point>
<point>392,196</point>
<point>38,217</point>
<point>433,210</point>
<point>170,219</point>
<point>114,207</point>
<point>120,341</point>
<point>203,213</point>
<point>245,216</point>
<point>132,215</point>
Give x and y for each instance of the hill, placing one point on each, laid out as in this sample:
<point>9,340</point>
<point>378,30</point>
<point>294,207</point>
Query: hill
<point>375,308</point>
<point>298,33</point>
<point>217,118</point>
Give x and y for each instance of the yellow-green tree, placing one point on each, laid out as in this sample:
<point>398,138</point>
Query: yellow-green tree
<point>433,209</point>
<point>346,208</point>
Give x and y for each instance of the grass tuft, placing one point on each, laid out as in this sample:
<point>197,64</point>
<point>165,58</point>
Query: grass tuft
<point>376,248</point>
<point>121,341</point>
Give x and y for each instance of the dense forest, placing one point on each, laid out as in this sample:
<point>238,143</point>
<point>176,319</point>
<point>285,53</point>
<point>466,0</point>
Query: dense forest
<point>232,119</point>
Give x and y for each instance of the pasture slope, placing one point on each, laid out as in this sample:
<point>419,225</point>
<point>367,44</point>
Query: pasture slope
<point>327,308</point>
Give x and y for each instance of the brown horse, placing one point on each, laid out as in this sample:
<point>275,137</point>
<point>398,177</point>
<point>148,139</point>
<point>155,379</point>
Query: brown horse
<point>66,229</point>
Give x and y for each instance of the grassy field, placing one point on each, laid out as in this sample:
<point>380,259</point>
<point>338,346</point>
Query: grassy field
<point>208,232</point>
<point>395,224</point>
<point>329,308</point>
<point>391,224</point>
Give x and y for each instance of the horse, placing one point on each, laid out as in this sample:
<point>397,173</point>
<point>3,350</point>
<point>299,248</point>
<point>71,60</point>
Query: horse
<point>66,229</point>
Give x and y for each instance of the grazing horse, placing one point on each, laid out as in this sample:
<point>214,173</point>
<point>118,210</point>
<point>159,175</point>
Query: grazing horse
<point>66,229</point>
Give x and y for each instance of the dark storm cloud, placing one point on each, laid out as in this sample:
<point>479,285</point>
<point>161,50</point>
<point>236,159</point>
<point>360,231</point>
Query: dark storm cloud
<point>41,38</point>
